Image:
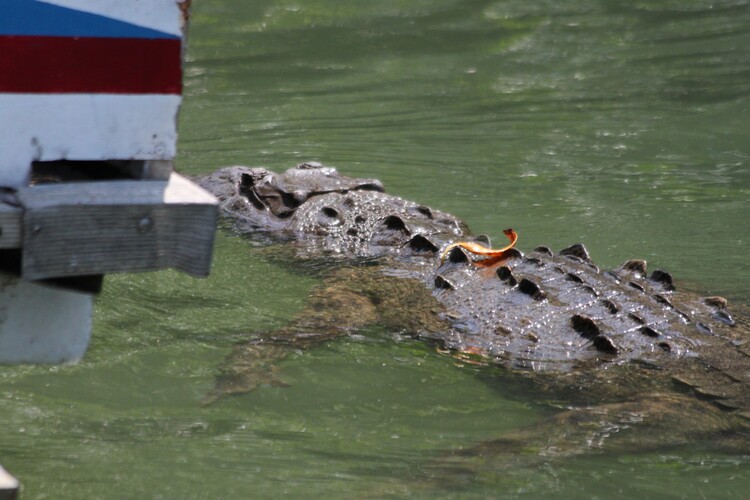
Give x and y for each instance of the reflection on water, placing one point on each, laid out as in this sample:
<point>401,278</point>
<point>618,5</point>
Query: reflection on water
<point>619,124</point>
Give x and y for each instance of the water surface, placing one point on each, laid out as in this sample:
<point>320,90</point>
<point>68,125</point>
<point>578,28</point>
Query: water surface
<point>619,124</point>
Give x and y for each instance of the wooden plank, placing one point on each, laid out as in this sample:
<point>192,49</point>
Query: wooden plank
<point>100,227</point>
<point>10,226</point>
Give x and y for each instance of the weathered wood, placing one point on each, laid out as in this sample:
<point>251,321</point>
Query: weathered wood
<point>10,226</point>
<point>75,229</point>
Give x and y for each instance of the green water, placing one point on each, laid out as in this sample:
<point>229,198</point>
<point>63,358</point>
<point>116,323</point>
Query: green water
<point>620,124</point>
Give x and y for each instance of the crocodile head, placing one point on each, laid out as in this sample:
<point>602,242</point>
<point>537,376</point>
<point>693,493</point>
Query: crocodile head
<point>329,212</point>
<point>262,200</point>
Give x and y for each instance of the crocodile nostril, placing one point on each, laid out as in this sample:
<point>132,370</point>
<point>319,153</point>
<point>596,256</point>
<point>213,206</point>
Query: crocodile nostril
<point>329,216</point>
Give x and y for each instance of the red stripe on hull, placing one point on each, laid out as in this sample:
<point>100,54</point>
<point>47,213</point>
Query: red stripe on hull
<point>58,65</point>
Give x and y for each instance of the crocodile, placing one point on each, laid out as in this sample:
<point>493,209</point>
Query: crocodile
<point>619,349</point>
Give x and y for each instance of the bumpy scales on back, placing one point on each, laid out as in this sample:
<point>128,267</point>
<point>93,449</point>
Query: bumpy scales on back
<point>622,339</point>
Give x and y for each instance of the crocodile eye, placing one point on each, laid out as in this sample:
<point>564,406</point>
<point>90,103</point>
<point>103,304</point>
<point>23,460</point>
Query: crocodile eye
<point>329,216</point>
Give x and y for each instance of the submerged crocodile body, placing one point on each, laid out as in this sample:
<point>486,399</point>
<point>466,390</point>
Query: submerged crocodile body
<point>627,347</point>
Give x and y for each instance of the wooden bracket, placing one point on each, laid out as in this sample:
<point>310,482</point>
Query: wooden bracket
<point>89,228</point>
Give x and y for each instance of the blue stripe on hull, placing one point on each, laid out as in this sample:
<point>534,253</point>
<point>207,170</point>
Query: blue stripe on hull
<point>34,18</point>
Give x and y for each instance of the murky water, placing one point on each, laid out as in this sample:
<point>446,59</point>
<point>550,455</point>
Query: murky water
<point>620,124</point>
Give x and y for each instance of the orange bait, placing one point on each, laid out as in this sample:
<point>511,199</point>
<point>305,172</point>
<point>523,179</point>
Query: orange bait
<point>477,249</point>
